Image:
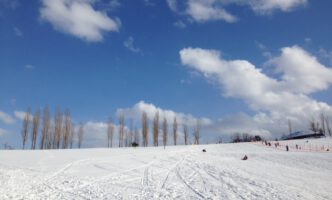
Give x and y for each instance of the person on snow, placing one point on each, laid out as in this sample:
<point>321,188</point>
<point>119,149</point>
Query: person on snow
<point>245,157</point>
<point>287,148</point>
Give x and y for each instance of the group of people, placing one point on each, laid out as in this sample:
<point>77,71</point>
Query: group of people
<point>276,145</point>
<point>269,144</point>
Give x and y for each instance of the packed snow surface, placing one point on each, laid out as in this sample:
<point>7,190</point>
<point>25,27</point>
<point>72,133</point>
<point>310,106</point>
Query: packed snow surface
<point>181,172</point>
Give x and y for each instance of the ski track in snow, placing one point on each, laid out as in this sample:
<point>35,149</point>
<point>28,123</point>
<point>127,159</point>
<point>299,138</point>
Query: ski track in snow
<point>181,172</point>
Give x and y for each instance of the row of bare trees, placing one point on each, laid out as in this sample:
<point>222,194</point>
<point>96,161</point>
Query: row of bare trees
<point>131,136</point>
<point>244,137</point>
<point>321,126</point>
<point>55,134</point>
<point>41,131</point>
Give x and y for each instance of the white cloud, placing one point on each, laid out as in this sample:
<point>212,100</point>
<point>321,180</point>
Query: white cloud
<point>129,44</point>
<point>6,118</point>
<point>18,32</point>
<point>114,4</point>
<point>29,66</point>
<point>323,53</point>
<point>275,100</point>
<point>242,123</point>
<point>135,112</point>
<point>261,46</point>
<point>95,134</point>
<point>20,114</point>
<point>3,132</point>
<point>208,10</point>
<point>212,10</point>
<point>308,40</point>
<point>78,18</point>
<point>268,6</point>
<point>180,24</point>
<point>301,72</point>
<point>172,4</point>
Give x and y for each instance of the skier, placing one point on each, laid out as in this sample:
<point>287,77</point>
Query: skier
<point>287,148</point>
<point>245,157</point>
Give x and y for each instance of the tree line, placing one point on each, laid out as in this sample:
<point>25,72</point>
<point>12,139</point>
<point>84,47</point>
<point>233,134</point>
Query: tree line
<point>245,137</point>
<point>321,126</point>
<point>43,132</point>
<point>46,133</point>
<point>130,136</point>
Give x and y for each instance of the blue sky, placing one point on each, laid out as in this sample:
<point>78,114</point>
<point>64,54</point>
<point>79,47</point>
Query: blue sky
<point>108,56</point>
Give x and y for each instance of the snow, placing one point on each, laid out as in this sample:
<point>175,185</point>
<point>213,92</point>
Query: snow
<point>181,172</point>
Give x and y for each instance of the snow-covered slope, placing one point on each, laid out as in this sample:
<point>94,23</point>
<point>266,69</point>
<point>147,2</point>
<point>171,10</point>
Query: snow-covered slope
<point>181,172</point>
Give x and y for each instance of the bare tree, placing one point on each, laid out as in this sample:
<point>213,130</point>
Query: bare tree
<point>165,132</point>
<point>57,129</point>
<point>314,126</point>
<point>80,135</point>
<point>246,137</point>
<point>66,129</point>
<point>110,133</point>
<point>121,129</point>
<point>290,126</point>
<point>328,127</point>
<point>175,130</point>
<point>131,133</point>
<point>35,128</point>
<point>136,137</point>
<point>26,127</point>
<point>185,134</point>
<point>197,132</point>
<point>50,137</point>
<point>156,129</point>
<point>145,129</point>
<point>46,128</point>
<point>236,137</point>
<point>72,133</point>
<point>322,122</point>
<point>126,137</point>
